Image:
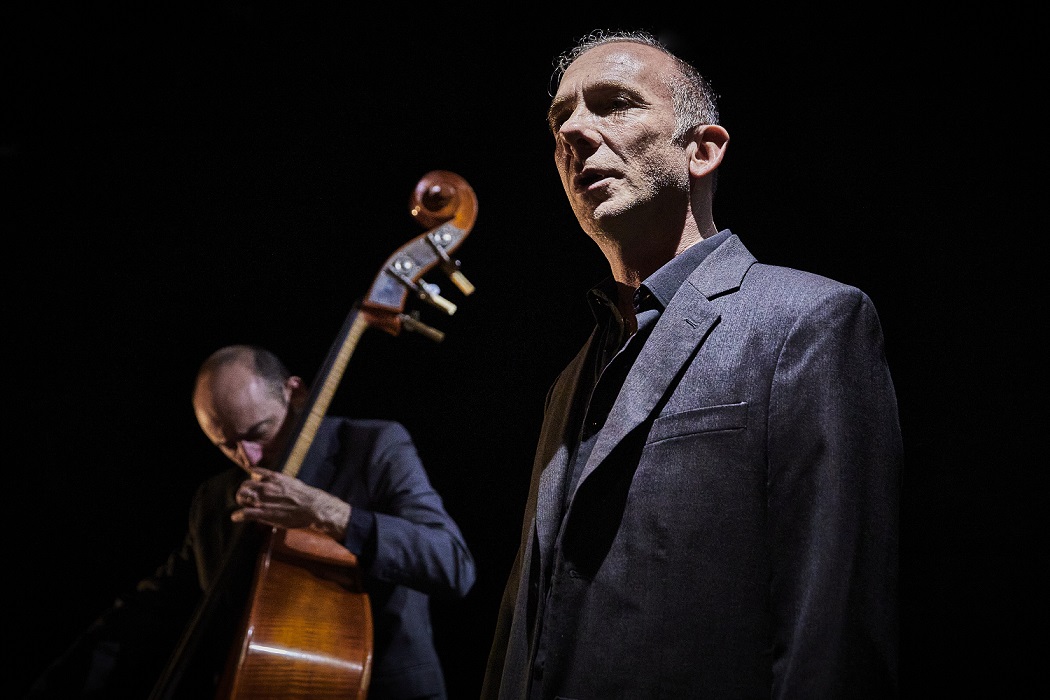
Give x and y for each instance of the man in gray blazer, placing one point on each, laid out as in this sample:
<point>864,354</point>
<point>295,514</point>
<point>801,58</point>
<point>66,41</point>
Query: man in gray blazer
<point>713,511</point>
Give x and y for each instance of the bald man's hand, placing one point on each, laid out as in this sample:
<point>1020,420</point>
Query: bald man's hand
<point>278,499</point>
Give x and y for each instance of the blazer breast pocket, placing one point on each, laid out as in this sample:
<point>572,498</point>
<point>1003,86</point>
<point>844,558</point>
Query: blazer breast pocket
<point>731,416</point>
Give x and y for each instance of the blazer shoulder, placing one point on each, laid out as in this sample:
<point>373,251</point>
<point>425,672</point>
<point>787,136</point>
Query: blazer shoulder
<point>365,429</point>
<point>801,284</point>
<point>734,254</point>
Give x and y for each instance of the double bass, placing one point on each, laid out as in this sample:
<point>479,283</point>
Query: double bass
<point>288,615</point>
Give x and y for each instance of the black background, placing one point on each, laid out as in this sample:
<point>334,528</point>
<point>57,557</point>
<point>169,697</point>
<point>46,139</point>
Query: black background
<point>184,177</point>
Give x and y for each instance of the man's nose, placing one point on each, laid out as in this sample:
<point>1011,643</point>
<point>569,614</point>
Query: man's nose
<point>252,451</point>
<point>577,133</point>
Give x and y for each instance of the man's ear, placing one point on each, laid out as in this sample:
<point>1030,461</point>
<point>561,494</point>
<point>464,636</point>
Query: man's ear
<point>706,147</point>
<point>297,393</point>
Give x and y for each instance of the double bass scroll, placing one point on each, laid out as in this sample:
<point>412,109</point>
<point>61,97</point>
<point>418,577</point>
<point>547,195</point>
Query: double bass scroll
<point>444,203</point>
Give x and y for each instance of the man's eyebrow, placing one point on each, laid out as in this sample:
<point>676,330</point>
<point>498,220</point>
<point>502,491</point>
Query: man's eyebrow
<point>253,429</point>
<point>557,105</point>
<point>604,86</point>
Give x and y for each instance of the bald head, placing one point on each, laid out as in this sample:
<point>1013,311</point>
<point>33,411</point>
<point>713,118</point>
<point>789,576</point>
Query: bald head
<point>241,399</point>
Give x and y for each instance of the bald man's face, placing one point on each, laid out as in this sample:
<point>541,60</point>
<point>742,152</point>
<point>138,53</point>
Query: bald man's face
<point>240,414</point>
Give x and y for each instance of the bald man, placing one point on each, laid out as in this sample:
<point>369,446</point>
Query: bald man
<point>362,484</point>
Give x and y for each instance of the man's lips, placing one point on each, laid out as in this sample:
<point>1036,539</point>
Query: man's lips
<point>592,179</point>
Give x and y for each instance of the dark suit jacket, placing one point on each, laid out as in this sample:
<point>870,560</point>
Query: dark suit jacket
<point>734,531</point>
<point>408,548</point>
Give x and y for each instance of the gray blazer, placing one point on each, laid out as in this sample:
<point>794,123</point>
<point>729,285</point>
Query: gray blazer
<point>734,531</point>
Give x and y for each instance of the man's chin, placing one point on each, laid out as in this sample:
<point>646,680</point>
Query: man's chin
<point>605,215</point>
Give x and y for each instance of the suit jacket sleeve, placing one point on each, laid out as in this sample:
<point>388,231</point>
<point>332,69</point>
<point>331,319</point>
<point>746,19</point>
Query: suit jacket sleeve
<point>401,530</point>
<point>835,460</point>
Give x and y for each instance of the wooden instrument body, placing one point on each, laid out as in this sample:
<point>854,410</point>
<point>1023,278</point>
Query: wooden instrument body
<point>303,576</point>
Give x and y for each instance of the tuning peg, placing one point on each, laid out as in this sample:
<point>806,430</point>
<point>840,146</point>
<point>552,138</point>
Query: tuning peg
<point>461,282</point>
<point>449,266</point>
<point>412,323</point>
<point>429,293</point>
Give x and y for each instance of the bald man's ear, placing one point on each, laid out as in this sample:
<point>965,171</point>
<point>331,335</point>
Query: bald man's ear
<point>706,147</point>
<point>297,393</point>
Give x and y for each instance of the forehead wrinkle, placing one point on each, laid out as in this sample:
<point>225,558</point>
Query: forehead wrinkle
<point>618,63</point>
<point>612,59</point>
<point>611,66</point>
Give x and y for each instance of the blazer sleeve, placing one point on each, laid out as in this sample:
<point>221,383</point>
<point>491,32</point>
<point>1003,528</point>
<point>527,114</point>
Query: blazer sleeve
<point>404,534</point>
<point>834,475</point>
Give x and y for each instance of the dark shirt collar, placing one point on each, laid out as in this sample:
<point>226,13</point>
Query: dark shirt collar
<point>657,289</point>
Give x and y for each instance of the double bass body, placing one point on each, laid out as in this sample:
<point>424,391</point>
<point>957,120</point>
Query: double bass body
<point>307,631</point>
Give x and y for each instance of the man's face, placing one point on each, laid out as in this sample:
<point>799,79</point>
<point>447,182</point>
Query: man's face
<point>613,121</point>
<point>242,416</point>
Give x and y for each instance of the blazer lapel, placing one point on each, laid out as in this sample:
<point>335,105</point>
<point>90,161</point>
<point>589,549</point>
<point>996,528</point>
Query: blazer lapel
<point>678,333</point>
